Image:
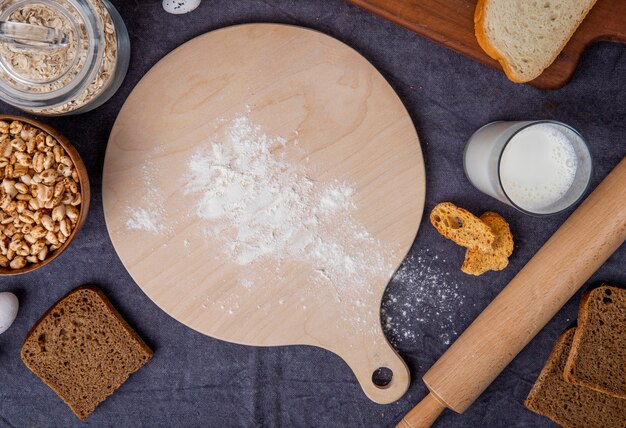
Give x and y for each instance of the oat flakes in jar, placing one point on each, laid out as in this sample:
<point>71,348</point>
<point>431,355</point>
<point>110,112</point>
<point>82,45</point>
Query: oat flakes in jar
<point>60,57</point>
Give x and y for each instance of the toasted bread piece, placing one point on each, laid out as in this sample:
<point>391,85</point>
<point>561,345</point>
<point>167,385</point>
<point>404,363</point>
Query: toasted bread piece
<point>524,36</point>
<point>572,406</point>
<point>83,349</point>
<point>478,261</point>
<point>461,226</point>
<point>598,356</point>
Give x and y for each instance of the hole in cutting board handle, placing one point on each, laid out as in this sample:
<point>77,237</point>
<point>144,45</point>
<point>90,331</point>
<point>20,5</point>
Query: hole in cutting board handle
<point>382,377</point>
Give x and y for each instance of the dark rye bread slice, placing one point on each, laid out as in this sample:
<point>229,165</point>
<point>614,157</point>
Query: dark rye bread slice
<point>598,357</point>
<point>572,406</point>
<point>83,349</point>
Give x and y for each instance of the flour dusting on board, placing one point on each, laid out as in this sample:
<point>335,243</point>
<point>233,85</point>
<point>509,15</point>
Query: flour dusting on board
<point>143,219</point>
<point>425,296</point>
<point>146,216</point>
<point>260,205</point>
<point>336,197</point>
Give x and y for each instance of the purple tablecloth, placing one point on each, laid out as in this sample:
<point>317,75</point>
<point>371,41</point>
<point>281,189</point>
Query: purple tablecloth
<point>195,380</point>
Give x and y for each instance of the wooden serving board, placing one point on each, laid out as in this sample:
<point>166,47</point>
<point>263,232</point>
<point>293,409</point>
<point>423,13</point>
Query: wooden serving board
<point>341,123</point>
<point>451,23</point>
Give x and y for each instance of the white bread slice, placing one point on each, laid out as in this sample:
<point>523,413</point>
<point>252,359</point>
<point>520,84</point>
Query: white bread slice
<point>525,36</point>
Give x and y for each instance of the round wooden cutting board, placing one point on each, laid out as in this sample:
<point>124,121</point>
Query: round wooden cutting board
<point>306,125</point>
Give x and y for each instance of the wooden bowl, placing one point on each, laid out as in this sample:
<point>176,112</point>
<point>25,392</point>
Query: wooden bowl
<point>85,192</point>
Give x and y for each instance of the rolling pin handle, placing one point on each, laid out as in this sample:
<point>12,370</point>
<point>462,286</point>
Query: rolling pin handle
<point>424,414</point>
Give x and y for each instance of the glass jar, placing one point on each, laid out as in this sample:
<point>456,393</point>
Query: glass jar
<point>540,167</point>
<point>68,78</point>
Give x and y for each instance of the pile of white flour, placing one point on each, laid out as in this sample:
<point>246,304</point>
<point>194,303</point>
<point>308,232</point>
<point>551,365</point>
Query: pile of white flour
<point>261,206</point>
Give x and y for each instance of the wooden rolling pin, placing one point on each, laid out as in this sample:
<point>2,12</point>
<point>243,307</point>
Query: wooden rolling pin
<point>578,248</point>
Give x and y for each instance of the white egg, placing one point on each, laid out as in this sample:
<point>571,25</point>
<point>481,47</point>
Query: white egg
<point>178,7</point>
<point>8,310</point>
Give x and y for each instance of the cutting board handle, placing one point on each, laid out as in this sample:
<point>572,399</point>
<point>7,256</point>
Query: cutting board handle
<point>369,359</point>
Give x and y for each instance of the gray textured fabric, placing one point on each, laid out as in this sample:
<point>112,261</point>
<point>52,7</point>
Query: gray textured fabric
<point>195,380</point>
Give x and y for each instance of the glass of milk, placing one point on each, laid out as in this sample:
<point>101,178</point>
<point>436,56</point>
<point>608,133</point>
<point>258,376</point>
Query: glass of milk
<point>539,167</point>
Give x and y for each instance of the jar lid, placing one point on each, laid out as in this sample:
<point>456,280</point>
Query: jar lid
<point>32,74</point>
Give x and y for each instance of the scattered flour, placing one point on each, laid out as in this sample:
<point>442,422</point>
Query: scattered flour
<point>146,217</point>
<point>247,283</point>
<point>144,220</point>
<point>260,206</point>
<point>421,294</point>
<point>336,197</point>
